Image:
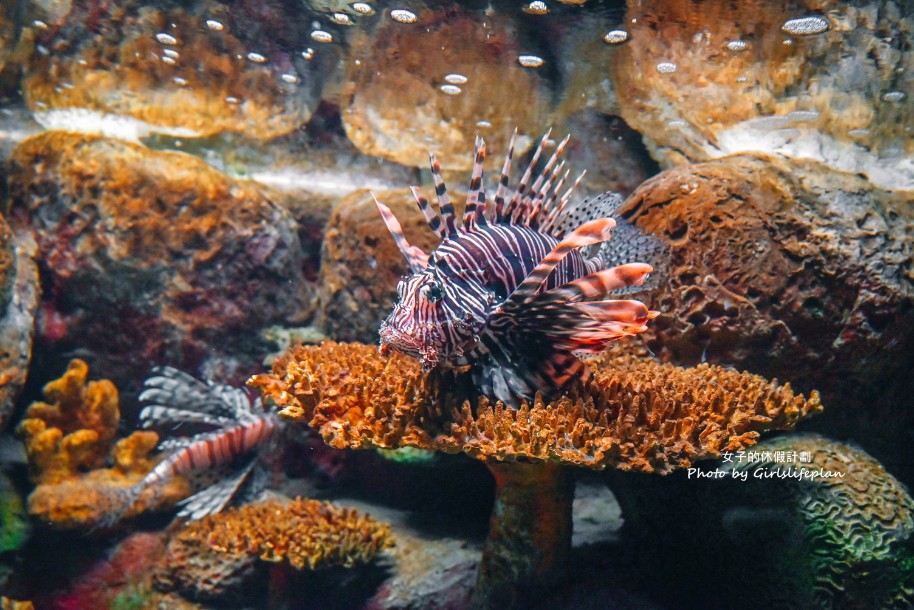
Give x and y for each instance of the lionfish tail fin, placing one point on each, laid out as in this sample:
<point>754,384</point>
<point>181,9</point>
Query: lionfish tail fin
<point>417,259</point>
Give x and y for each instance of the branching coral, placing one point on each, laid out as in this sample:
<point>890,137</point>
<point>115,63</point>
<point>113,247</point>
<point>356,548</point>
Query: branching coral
<point>213,558</point>
<point>68,440</point>
<point>635,414</point>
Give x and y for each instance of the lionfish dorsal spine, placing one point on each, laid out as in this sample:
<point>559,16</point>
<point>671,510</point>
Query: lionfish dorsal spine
<point>475,209</point>
<point>593,232</point>
<point>431,216</point>
<point>504,179</point>
<point>444,202</point>
<point>515,208</point>
<point>417,259</point>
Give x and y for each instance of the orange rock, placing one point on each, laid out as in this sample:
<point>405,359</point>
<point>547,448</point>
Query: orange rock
<point>436,84</point>
<point>168,72</point>
<point>153,252</point>
<point>693,77</point>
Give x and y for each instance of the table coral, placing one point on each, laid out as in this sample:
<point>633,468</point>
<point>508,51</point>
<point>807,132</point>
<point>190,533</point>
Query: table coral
<point>215,557</point>
<point>68,440</point>
<point>636,414</point>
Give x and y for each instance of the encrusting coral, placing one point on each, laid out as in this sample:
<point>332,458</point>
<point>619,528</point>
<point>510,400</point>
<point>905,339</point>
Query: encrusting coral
<point>68,440</point>
<point>635,414</point>
<point>214,558</point>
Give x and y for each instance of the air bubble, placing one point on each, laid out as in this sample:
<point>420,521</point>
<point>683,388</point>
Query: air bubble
<point>341,19</point>
<point>737,46</point>
<point>171,53</point>
<point>893,96</point>
<point>166,38</point>
<point>362,8</point>
<point>805,26</point>
<point>169,60</point>
<point>321,36</point>
<point>666,67</point>
<point>530,61</point>
<point>536,8</point>
<point>257,58</point>
<point>616,37</point>
<point>181,82</point>
<point>451,89</point>
<point>214,25</point>
<point>402,16</point>
<point>289,78</point>
<point>456,79</point>
<point>41,25</point>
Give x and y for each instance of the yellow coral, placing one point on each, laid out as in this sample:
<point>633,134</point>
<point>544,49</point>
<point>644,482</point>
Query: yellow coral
<point>74,430</point>
<point>68,440</point>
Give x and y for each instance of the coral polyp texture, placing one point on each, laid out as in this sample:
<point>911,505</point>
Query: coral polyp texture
<point>215,557</point>
<point>636,413</point>
<point>68,440</point>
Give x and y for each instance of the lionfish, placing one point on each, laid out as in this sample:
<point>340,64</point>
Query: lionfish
<point>508,291</point>
<point>234,434</point>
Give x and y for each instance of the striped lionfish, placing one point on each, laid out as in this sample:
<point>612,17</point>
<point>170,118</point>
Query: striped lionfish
<point>235,432</point>
<point>508,291</point>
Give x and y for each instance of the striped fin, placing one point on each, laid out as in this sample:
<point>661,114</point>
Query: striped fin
<point>444,202</point>
<point>593,232</point>
<point>157,415</point>
<point>475,207</point>
<point>599,284</point>
<point>214,498</point>
<point>170,387</point>
<point>504,179</point>
<point>417,259</point>
<point>431,216</point>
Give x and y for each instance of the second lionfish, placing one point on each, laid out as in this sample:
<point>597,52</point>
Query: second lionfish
<point>508,291</point>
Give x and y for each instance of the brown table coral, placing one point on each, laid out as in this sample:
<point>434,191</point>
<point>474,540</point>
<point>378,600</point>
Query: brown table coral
<point>636,414</point>
<point>214,558</point>
<point>68,440</point>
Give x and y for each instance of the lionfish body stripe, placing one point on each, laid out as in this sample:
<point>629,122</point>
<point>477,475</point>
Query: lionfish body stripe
<point>510,291</point>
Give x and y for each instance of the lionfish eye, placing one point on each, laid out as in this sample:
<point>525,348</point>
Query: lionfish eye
<point>432,293</point>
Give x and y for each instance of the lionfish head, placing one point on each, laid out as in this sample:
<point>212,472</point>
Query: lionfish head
<point>426,322</point>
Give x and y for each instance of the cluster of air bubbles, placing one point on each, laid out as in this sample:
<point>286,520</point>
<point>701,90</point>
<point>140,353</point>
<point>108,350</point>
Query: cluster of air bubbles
<point>737,46</point>
<point>166,38</point>
<point>893,96</point>
<point>403,16</point>
<point>805,26</point>
<point>536,8</point>
<point>666,67</point>
<point>308,53</point>
<point>170,56</point>
<point>456,79</point>
<point>214,25</point>
<point>450,89</point>
<point>257,58</point>
<point>362,8</point>
<point>616,37</point>
<point>530,61</point>
<point>321,36</point>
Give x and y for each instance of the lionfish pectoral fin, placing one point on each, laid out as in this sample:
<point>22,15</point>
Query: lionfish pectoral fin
<point>214,498</point>
<point>593,232</point>
<point>417,259</point>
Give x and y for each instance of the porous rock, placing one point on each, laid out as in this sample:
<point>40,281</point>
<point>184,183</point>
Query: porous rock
<point>152,256</point>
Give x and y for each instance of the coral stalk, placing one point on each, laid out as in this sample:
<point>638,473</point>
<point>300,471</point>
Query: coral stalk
<point>529,533</point>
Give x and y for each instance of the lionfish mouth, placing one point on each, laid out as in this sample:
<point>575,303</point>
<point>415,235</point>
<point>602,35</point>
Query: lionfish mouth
<point>400,341</point>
